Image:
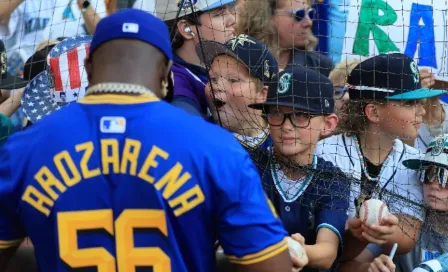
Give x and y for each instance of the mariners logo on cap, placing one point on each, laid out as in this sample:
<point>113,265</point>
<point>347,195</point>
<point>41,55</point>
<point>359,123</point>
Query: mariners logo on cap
<point>240,39</point>
<point>3,62</point>
<point>184,4</point>
<point>415,72</point>
<point>437,146</point>
<point>284,83</point>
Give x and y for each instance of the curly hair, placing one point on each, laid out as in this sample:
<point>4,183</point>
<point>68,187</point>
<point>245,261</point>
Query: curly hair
<point>338,76</point>
<point>255,21</point>
<point>353,119</point>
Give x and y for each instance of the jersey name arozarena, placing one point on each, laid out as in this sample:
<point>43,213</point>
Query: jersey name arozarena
<point>112,161</point>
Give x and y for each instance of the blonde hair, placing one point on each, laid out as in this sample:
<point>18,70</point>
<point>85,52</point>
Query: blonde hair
<point>255,20</point>
<point>340,73</point>
<point>46,43</point>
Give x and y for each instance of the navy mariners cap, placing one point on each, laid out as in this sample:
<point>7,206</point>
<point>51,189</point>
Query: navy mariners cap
<point>300,88</point>
<point>254,54</point>
<point>133,24</point>
<point>393,76</point>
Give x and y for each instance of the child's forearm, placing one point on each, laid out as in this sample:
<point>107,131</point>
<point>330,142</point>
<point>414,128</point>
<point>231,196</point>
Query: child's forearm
<point>321,255</point>
<point>352,246</point>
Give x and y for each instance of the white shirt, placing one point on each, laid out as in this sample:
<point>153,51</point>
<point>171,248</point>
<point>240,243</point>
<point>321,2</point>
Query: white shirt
<point>400,184</point>
<point>35,21</point>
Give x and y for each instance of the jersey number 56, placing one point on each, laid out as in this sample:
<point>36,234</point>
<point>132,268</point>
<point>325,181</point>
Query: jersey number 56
<point>128,256</point>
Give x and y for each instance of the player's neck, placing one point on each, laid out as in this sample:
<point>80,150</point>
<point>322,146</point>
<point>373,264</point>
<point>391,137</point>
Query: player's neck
<point>375,146</point>
<point>152,85</point>
<point>188,54</point>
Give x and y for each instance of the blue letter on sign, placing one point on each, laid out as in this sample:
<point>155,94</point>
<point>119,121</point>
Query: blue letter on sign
<point>422,34</point>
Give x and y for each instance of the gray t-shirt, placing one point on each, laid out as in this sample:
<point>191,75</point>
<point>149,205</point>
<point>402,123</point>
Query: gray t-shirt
<point>431,245</point>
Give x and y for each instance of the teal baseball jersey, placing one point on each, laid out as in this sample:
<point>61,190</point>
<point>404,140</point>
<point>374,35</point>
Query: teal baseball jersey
<point>131,183</point>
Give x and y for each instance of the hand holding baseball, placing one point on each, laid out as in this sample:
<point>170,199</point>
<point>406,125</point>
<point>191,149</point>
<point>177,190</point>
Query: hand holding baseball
<point>381,234</point>
<point>297,247</point>
<point>355,227</point>
<point>382,264</point>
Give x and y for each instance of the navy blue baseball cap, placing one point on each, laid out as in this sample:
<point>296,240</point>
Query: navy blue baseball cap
<point>393,76</point>
<point>133,24</point>
<point>254,54</point>
<point>302,89</point>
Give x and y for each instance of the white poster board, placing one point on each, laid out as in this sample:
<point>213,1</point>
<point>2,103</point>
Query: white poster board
<point>418,28</point>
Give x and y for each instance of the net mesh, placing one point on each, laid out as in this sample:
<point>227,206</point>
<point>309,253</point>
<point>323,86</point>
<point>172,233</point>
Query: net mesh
<point>352,31</point>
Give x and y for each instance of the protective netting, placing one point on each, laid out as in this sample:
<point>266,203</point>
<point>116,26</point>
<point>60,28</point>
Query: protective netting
<point>349,32</point>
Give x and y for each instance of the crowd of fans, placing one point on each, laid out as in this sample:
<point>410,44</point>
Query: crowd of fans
<point>323,137</point>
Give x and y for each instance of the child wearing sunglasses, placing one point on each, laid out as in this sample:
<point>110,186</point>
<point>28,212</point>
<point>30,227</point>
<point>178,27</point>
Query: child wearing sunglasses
<point>430,253</point>
<point>309,194</point>
<point>385,108</point>
<point>339,78</point>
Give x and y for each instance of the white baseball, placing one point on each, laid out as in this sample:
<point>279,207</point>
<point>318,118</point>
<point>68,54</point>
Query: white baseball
<point>372,212</point>
<point>295,248</point>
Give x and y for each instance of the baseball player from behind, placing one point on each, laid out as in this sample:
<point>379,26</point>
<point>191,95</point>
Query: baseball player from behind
<point>107,183</point>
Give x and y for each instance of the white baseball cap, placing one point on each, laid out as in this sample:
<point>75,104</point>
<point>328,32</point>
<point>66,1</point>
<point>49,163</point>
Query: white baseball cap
<point>436,154</point>
<point>167,9</point>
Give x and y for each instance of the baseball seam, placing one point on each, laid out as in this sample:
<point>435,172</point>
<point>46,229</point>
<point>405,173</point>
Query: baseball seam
<point>380,213</point>
<point>366,212</point>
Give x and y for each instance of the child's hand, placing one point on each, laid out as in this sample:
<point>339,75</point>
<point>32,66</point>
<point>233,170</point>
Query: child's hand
<point>299,263</point>
<point>427,78</point>
<point>355,227</point>
<point>383,234</point>
<point>382,264</point>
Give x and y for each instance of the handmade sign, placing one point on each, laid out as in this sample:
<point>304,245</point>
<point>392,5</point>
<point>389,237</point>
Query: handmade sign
<point>417,28</point>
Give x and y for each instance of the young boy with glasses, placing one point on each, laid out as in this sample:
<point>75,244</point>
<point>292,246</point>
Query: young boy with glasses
<point>309,194</point>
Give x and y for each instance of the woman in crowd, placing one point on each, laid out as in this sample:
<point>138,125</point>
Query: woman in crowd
<point>285,26</point>
<point>205,20</point>
<point>385,108</point>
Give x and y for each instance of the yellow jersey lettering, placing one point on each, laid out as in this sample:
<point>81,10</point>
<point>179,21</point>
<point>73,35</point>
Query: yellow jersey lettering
<point>172,181</point>
<point>69,179</point>
<point>88,148</point>
<point>38,200</point>
<point>48,181</point>
<point>150,161</point>
<point>130,156</point>
<point>110,158</point>
<point>187,201</point>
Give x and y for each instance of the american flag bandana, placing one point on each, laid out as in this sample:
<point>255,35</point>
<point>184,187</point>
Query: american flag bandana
<point>36,98</point>
<point>68,80</point>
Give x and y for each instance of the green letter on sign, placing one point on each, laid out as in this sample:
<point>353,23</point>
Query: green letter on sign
<point>369,19</point>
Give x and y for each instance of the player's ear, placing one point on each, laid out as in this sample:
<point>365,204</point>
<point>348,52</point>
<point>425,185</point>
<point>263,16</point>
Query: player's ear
<point>88,67</point>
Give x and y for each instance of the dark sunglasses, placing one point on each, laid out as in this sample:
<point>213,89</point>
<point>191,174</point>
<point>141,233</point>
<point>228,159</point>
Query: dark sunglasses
<point>428,175</point>
<point>339,92</point>
<point>300,14</point>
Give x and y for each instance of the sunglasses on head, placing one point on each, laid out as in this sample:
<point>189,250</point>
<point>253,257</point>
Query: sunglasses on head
<point>427,176</point>
<point>300,14</point>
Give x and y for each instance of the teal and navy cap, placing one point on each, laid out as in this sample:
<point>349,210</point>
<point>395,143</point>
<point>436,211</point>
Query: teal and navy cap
<point>133,24</point>
<point>254,54</point>
<point>436,155</point>
<point>393,76</point>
